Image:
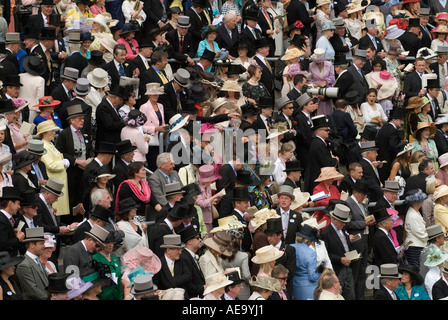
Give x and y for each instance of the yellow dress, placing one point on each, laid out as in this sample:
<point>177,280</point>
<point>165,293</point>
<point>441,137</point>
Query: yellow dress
<point>55,168</point>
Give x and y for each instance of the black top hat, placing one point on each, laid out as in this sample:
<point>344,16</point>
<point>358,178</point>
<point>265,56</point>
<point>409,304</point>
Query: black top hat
<point>245,178</point>
<point>6,260</point>
<point>21,159</point>
<point>96,58</point>
<point>414,22</point>
<point>369,133</point>
<point>352,97</point>
<point>2,47</point>
<point>48,33</point>
<point>241,194</point>
<point>381,214</point>
<point>180,210</point>
<point>192,189</point>
<point>339,7</point>
<point>361,186</point>
<point>188,233</point>
<point>47,3</point>
<point>251,15</point>
<point>101,212</point>
<point>260,43</point>
<point>397,113</point>
<point>106,147</point>
<point>120,91</point>
<point>125,146</point>
<point>248,109</point>
<point>235,69</point>
<point>28,198</point>
<point>320,122</point>
<point>6,105</point>
<point>32,65</point>
<point>197,92</point>
<point>208,55</point>
<point>11,193</point>
<point>200,3</point>
<point>188,106</point>
<point>273,225</point>
<point>126,205</point>
<point>55,20</point>
<point>340,59</point>
<point>265,102</point>
<point>292,166</point>
<point>56,282</point>
<point>12,80</point>
<point>432,83</point>
<point>146,43</point>
<point>29,32</point>
<point>235,277</point>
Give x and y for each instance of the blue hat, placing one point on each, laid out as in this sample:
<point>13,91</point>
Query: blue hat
<point>415,195</point>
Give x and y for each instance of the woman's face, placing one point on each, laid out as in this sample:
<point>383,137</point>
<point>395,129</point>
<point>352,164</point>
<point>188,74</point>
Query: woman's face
<point>130,35</point>
<point>2,136</point>
<point>103,180</point>
<point>86,44</point>
<point>288,155</point>
<point>141,173</point>
<point>425,133</point>
<point>10,117</point>
<point>325,8</point>
<point>212,36</point>
<point>242,52</point>
<point>108,248</point>
<point>48,252</point>
<point>132,213</point>
<point>377,67</point>
<point>153,97</point>
<point>258,73</point>
<point>371,97</point>
<point>49,136</point>
<point>9,271</point>
<point>131,101</point>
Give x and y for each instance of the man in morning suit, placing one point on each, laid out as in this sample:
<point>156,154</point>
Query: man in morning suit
<point>371,38</point>
<point>305,135</point>
<point>355,70</point>
<point>383,247</point>
<point>432,92</point>
<point>425,28</point>
<point>125,155</point>
<point>156,13</point>
<point>175,93</point>
<point>10,241</point>
<point>181,48</point>
<point>410,40</point>
<point>250,33</point>
<point>370,169</point>
<point>389,281</point>
<point>198,21</point>
<point>64,91</point>
<point>262,47</point>
<point>118,66</point>
<point>440,67</point>
<point>344,80</point>
<point>412,84</point>
<point>228,35</point>
<point>350,179</point>
<point>105,152</point>
<point>342,122</point>
<point>155,73</point>
<point>440,288</point>
<point>293,173</point>
<point>284,110</point>
<point>291,220</point>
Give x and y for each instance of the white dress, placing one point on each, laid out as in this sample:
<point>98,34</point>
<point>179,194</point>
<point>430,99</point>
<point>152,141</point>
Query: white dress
<point>368,113</point>
<point>132,239</point>
<point>432,276</point>
<point>278,38</point>
<point>278,174</point>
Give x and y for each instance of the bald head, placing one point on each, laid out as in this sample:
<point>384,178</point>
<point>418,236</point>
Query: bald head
<point>229,21</point>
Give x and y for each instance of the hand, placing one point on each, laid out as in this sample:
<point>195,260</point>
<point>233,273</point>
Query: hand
<point>401,67</point>
<point>74,224</point>
<point>370,222</point>
<point>345,261</point>
<point>147,138</point>
<point>277,30</point>
<point>160,128</point>
<point>82,163</point>
<point>20,235</point>
<point>158,207</point>
<point>144,226</point>
<point>64,230</point>
<point>234,115</point>
<point>62,55</point>
<point>136,73</point>
<point>190,61</point>
<point>42,182</point>
<point>422,92</point>
<point>161,24</point>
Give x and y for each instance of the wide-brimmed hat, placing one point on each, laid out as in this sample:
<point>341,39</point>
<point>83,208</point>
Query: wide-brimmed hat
<point>309,233</point>
<point>415,102</point>
<point>106,41</point>
<point>101,20</point>
<point>293,70</point>
<point>46,126</point>
<point>318,55</point>
<point>135,118</point>
<point>300,198</point>
<point>389,270</point>
<point>34,234</point>
<point>98,78</point>
<point>56,282</point>
<point>22,159</point>
<point>5,158</point>
<point>435,257</point>
<point>228,223</point>
<point>54,186</point>
<point>426,53</point>
<point>440,191</point>
<point>267,254</point>
<point>341,213</point>
<point>128,28</point>
<point>231,85</point>
<point>382,77</point>
<point>207,173</point>
<point>216,281</point>
<point>261,216</point>
<point>391,186</point>
<point>292,53</point>
<point>47,101</point>
<point>415,195</point>
<point>328,25</point>
<point>434,231</point>
<point>154,88</point>
<point>6,260</point>
<point>103,171</point>
<point>10,193</point>
<point>78,287</point>
<point>266,282</point>
<point>33,65</point>
<point>220,242</point>
<point>198,93</point>
<point>404,147</point>
<point>143,257</point>
<point>327,173</point>
<point>440,29</point>
<point>423,125</point>
<point>125,205</point>
<point>443,160</point>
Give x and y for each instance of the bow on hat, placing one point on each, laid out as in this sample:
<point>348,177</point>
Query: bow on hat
<point>139,271</point>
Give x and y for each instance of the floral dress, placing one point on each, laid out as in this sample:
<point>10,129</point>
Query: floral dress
<point>254,92</point>
<point>259,199</point>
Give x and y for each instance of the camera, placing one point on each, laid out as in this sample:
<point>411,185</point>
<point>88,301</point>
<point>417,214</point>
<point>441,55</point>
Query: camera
<point>326,92</point>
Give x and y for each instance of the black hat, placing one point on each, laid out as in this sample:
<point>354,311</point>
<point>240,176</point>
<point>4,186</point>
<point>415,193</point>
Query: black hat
<point>47,2</point>
<point>381,215</point>
<point>56,282</point>
<point>361,186</point>
<point>2,47</point>
<point>107,147</point>
<point>414,271</point>
<point>292,166</point>
<point>55,20</point>
<point>398,113</point>
<point>208,55</point>
<point>273,225</point>
<point>201,3</point>
<point>190,202</point>
<point>432,83</point>
<point>260,43</point>
<point>235,69</point>
<point>6,260</point>
<point>245,178</point>
<point>125,146</point>
<point>126,205</point>
<point>298,41</point>
<point>21,159</point>
<point>48,33</point>
<point>6,105</point>
<point>146,43</point>
<point>369,133</point>
<point>12,80</point>
<point>11,193</point>
<point>352,97</point>
<point>241,194</point>
<point>248,109</point>
<point>96,58</point>
<point>188,106</point>
<point>414,22</point>
<point>84,36</point>
<point>29,32</point>
<point>265,102</point>
<point>309,232</point>
<point>188,233</point>
<point>120,91</point>
<point>28,198</point>
<point>340,59</point>
<point>33,65</point>
<point>320,122</point>
<point>197,92</point>
<point>235,277</point>
<point>128,28</point>
<point>101,212</point>
<point>192,189</point>
<point>180,210</point>
<point>251,15</point>
<point>339,7</point>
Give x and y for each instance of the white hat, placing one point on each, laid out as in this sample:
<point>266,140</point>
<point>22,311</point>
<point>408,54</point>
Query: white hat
<point>216,281</point>
<point>98,78</point>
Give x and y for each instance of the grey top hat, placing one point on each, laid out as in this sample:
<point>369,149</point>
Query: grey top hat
<point>74,111</point>
<point>371,23</point>
<point>34,234</point>
<point>70,74</point>
<point>389,270</point>
<point>183,22</point>
<point>98,233</point>
<point>425,12</point>
<point>55,186</point>
<point>341,212</point>
<point>173,188</point>
<point>338,22</point>
<point>74,37</point>
<point>172,241</point>
<point>13,37</point>
<point>182,77</point>
<point>362,54</point>
<point>82,87</point>
<point>36,146</point>
<point>391,186</point>
<point>442,50</point>
<point>143,284</point>
<point>286,190</point>
<point>434,231</point>
<point>368,146</point>
<point>282,102</point>
<point>303,99</point>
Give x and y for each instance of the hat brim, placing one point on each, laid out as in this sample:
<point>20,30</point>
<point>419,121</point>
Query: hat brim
<point>256,259</point>
<point>56,192</point>
<point>209,242</point>
<point>12,262</point>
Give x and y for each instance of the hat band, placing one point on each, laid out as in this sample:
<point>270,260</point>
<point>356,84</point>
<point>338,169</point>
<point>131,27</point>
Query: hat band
<point>339,217</point>
<point>143,290</point>
<point>35,151</point>
<point>52,189</point>
<point>391,275</point>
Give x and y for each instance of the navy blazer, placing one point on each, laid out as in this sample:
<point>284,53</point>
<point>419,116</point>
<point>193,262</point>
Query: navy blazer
<point>343,123</point>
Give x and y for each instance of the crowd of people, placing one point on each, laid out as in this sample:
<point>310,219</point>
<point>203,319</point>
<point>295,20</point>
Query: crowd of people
<point>210,150</point>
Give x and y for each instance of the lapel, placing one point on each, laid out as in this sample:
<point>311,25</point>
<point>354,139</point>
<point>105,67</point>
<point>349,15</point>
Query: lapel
<point>213,260</point>
<point>338,240</point>
<point>42,274</point>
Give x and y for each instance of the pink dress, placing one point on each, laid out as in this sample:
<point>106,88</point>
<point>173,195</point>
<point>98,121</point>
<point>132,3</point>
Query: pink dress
<point>131,47</point>
<point>97,10</point>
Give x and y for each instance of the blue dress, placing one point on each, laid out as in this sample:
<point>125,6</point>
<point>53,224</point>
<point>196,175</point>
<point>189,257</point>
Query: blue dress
<point>305,278</point>
<point>54,116</point>
<point>417,293</point>
<point>204,45</point>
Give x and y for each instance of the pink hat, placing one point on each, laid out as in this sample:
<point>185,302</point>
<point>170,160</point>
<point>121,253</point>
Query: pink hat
<point>382,77</point>
<point>207,173</point>
<point>144,257</point>
<point>443,160</point>
<point>50,241</point>
<point>293,70</point>
<point>394,216</point>
<point>207,128</point>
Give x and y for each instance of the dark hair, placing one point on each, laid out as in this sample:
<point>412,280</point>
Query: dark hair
<point>119,47</point>
<point>134,168</point>
<point>423,165</point>
<point>378,60</point>
<point>158,56</point>
<point>298,78</point>
<point>370,90</point>
<point>340,104</point>
<point>352,166</point>
<point>371,47</point>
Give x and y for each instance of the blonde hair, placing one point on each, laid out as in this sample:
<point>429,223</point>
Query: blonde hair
<point>417,156</point>
<point>287,146</point>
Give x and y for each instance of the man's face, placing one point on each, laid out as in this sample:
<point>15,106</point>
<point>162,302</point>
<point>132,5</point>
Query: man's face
<point>370,53</point>
<point>393,283</point>
<point>391,196</point>
<point>13,91</point>
<point>14,47</point>
<point>29,42</point>
<point>120,56</point>
<point>420,66</point>
<point>51,197</point>
<point>242,205</point>
<point>441,58</point>
<point>47,9</point>
<point>231,23</point>
<point>78,122</point>
<point>146,52</point>
<point>340,31</point>
<point>106,200</point>
<point>38,247</point>
<point>430,170</point>
<point>357,173</point>
<point>162,64</point>
<point>173,253</point>
<point>434,92</point>
<point>182,31</point>
<point>264,51</point>
<point>251,23</point>
<point>267,112</point>
<point>424,21</point>
<point>128,156</point>
<point>69,84</point>
<point>93,246</point>
<point>323,132</point>
<point>288,110</point>
<point>14,206</point>
<point>274,238</point>
<point>415,30</point>
<point>338,223</point>
<point>373,31</point>
<point>168,166</point>
<point>359,62</point>
<point>284,201</point>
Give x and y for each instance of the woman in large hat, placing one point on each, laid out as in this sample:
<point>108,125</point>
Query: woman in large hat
<point>46,106</point>
<point>127,38</point>
<point>134,230</point>
<point>435,260</point>
<point>412,284</point>
<point>10,288</point>
<point>215,286</point>
<point>424,142</point>
<point>217,245</point>
<point>414,107</point>
<point>263,286</point>
<point>265,257</point>
<point>440,209</point>
<point>323,11</point>
<point>209,35</point>
<point>244,57</point>
<point>401,166</point>
<point>134,120</point>
<point>442,173</point>
<point>328,29</point>
<point>440,33</point>
<point>415,226</point>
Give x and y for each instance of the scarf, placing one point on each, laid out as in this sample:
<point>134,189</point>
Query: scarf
<point>144,196</point>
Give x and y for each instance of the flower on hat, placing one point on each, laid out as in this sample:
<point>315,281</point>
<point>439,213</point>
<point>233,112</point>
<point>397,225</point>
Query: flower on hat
<point>298,24</point>
<point>18,102</point>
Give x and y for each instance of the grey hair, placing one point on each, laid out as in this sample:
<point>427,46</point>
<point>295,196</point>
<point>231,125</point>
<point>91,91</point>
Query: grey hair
<point>227,17</point>
<point>163,158</point>
<point>73,46</point>
<point>97,195</point>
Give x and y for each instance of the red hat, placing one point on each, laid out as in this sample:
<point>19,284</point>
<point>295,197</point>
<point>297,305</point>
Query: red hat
<point>47,101</point>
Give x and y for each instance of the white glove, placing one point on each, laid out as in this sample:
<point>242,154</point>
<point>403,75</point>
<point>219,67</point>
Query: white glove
<point>66,163</point>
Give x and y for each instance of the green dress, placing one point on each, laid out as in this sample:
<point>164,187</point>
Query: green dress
<point>254,92</point>
<point>114,292</point>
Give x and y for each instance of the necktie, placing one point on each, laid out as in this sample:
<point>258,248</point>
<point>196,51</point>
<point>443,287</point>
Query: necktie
<point>171,267</point>
<point>268,64</point>
<point>230,34</point>
<point>39,264</point>
<point>69,94</point>
<point>145,61</point>
<point>207,15</point>
<point>283,295</point>
<point>162,76</point>
<point>79,135</point>
<point>181,44</point>
<point>254,33</point>
<point>285,216</point>
<point>121,69</point>
<point>12,221</point>
<point>32,224</point>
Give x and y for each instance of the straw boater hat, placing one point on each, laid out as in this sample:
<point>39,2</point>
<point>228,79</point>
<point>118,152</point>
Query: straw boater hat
<point>423,125</point>
<point>261,216</point>
<point>266,282</point>
<point>220,242</point>
<point>327,173</point>
<point>440,191</point>
<point>216,281</point>
<point>267,254</point>
<point>440,29</point>
<point>154,88</point>
<point>292,54</point>
<point>278,129</point>
<point>341,213</point>
<point>313,223</point>
<point>389,270</point>
<point>46,126</point>
<point>228,223</point>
